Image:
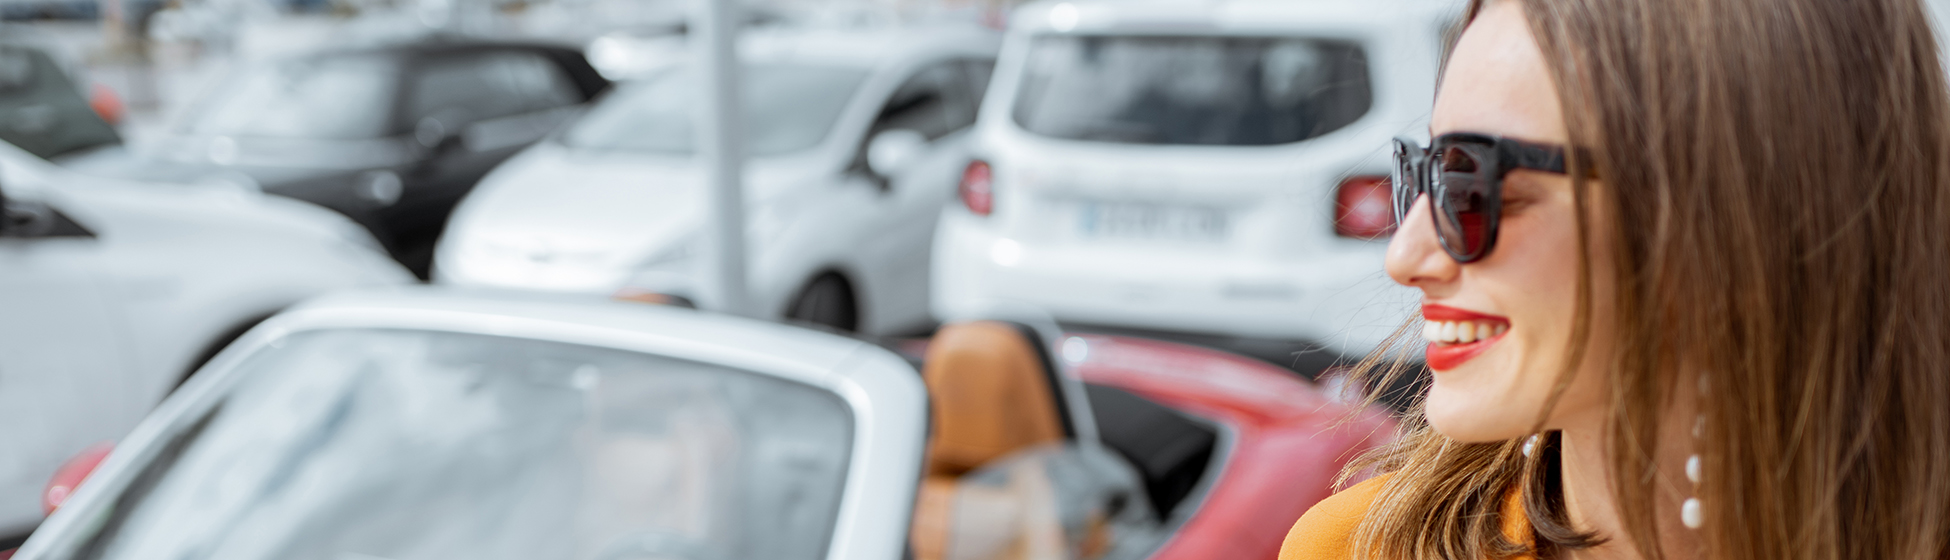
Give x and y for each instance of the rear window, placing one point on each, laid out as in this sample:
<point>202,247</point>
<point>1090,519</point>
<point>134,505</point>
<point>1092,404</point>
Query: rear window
<point>1192,90</point>
<point>41,111</point>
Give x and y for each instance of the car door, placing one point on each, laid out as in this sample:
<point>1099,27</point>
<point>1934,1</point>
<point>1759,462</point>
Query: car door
<point>63,380</point>
<point>476,109</point>
<point>939,101</point>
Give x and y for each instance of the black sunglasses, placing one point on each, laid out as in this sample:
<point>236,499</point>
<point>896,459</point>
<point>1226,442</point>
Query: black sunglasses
<point>1463,174</point>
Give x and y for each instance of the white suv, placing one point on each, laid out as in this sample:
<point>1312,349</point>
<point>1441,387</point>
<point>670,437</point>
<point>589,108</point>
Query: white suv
<point>1207,168</point>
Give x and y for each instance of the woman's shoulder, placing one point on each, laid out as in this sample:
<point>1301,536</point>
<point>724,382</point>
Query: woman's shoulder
<point>1326,532</point>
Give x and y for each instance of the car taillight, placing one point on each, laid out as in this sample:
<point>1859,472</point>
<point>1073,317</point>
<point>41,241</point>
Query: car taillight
<point>105,103</point>
<point>71,474</point>
<point>1363,208</point>
<point>977,184</point>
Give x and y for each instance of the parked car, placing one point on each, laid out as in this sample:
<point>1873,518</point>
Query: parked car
<point>113,292</point>
<point>391,136</point>
<point>855,138</point>
<point>1214,168</point>
<point>426,424</point>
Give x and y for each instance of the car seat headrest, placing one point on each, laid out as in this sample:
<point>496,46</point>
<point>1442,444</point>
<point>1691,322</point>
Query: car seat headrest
<point>993,394</point>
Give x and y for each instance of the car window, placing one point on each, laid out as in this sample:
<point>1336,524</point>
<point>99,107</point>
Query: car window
<point>337,97</point>
<point>934,102</point>
<point>979,72</point>
<point>41,111</point>
<point>422,445</point>
<point>1195,90</point>
<point>474,87</point>
<point>788,108</point>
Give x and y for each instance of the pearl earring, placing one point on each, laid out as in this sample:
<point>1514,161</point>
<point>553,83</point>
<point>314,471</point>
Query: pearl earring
<point>1530,445</point>
<point>1689,511</point>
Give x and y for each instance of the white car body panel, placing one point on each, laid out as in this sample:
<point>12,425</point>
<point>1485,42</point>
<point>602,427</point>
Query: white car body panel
<point>97,330</point>
<point>1280,273</point>
<point>557,220</point>
<point>884,393</point>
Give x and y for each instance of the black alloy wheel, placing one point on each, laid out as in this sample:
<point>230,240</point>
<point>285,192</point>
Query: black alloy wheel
<point>827,301</point>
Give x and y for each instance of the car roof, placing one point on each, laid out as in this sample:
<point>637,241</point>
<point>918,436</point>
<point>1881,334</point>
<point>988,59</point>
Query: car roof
<point>871,46</point>
<point>1201,16</point>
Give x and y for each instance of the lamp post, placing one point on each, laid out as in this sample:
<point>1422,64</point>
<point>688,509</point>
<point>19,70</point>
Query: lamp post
<point>713,34</point>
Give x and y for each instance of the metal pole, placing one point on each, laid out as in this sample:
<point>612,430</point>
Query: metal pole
<point>713,35</point>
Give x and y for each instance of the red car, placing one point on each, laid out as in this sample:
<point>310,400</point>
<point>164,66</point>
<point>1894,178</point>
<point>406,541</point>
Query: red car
<point>441,425</point>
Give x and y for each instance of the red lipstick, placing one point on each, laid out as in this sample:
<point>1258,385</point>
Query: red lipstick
<point>1442,356</point>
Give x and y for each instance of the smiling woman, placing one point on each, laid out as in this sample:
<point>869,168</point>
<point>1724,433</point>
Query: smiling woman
<point>1683,290</point>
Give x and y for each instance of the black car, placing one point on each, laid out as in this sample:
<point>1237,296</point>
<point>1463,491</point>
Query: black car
<point>391,136</point>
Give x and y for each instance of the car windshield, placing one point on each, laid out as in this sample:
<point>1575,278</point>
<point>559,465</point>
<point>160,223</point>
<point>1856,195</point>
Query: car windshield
<point>788,108</point>
<point>342,97</point>
<point>1192,90</point>
<point>389,444</point>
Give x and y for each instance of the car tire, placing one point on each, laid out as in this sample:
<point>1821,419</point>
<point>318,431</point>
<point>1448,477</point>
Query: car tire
<point>827,301</point>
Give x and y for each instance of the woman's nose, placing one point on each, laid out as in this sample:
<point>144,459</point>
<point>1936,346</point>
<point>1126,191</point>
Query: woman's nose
<point>1415,258</point>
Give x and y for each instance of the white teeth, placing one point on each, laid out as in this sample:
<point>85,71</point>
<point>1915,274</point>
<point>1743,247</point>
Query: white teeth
<point>1461,332</point>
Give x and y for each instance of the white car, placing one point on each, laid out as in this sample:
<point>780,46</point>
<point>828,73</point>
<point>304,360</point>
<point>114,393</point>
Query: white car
<point>111,293</point>
<point>616,201</point>
<point>1211,168</point>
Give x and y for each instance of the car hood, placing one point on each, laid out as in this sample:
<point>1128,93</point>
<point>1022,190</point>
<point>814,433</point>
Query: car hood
<point>225,209</point>
<point>555,206</point>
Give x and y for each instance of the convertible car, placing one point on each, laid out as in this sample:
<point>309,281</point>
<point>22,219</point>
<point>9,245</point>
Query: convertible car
<point>420,424</point>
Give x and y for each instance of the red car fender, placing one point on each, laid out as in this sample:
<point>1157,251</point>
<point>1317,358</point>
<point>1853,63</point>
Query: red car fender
<point>1289,439</point>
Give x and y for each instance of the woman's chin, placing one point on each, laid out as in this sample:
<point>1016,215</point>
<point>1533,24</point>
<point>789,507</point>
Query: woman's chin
<point>1464,406</point>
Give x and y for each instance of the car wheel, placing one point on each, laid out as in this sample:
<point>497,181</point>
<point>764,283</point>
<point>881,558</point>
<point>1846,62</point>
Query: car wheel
<point>827,301</point>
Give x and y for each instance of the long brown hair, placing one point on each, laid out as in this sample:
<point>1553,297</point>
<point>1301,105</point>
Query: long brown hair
<point>1774,174</point>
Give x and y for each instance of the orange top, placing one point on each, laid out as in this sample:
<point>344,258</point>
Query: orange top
<point>1326,532</point>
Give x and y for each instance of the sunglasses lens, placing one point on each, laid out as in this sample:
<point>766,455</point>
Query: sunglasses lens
<point>1463,205</point>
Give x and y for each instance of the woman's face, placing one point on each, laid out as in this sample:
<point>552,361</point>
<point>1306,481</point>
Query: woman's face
<point>1496,84</point>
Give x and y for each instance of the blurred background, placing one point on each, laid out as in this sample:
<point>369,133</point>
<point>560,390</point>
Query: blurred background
<point>1183,203</point>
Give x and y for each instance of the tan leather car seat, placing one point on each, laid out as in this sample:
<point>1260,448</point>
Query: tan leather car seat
<point>992,396</point>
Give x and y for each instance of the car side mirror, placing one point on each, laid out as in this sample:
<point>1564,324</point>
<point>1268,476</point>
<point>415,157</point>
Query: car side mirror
<point>891,152</point>
<point>25,218</point>
<point>33,219</point>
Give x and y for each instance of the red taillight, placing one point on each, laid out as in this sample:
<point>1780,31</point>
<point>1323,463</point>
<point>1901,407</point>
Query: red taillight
<point>71,474</point>
<point>105,103</point>
<point>1364,208</point>
<point>977,184</point>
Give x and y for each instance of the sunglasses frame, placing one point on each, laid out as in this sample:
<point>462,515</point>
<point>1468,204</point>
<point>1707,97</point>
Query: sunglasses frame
<point>1419,171</point>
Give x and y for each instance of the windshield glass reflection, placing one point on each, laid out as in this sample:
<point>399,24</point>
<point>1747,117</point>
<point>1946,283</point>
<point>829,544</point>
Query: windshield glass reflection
<point>1218,90</point>
<point>788,108</point>
<point>420,445</point>
<point>344,97</point>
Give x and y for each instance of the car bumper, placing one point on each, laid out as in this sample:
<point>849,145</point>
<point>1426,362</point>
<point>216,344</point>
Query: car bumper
<point>1343,301</point>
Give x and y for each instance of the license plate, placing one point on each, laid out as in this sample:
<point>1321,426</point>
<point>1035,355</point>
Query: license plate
<point>1129,220</point>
